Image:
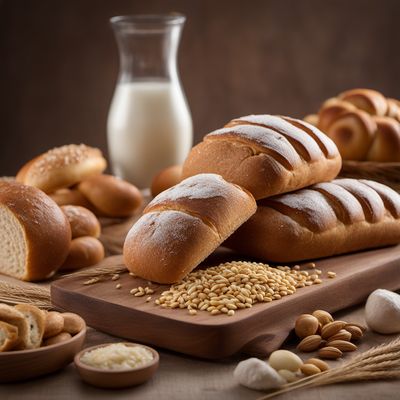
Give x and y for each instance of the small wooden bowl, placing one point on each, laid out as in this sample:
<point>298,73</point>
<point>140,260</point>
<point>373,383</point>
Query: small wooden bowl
<point>113,379</point>
<point>21,365</point>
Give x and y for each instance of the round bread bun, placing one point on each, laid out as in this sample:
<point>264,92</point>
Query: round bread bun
<point>73,197</point>
<point>62,167</point>
<point>61,337</point>
<point>165,179</point>
<point>54,324</point>
<point>83,222</point>
<point>35,234</point>
<point>73,323</point>
<point>84,252</point>
<point>112,196</point>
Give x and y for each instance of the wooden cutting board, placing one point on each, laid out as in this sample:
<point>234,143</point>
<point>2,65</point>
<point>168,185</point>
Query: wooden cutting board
<point>257,330</point>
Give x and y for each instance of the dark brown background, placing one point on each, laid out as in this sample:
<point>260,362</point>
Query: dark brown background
<point>58,62</point>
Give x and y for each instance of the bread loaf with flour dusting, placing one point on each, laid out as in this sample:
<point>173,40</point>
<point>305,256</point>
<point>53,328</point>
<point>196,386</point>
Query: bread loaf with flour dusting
<point>266,154</point>
<point>183,225</point>
<point>322,220</point>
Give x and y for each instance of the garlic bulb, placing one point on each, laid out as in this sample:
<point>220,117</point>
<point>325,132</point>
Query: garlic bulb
<point>256,374</point>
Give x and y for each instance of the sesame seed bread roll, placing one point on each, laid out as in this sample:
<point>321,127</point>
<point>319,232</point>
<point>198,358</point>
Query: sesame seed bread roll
<point>62,167</point>
<point>165,179</point>
<point>35,234</point>
<point>111,196</point>
<point>183,225</point>
<point>83,222</point>
<point>266,154</point>
<point>36,320</point>
<point>325,219</point>
<point>8,336</point>
<point>84,252</point>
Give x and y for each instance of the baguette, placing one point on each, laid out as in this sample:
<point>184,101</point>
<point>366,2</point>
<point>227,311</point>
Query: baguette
<point>183,225</point>
<point>325,219</point>
<point>266,154</point>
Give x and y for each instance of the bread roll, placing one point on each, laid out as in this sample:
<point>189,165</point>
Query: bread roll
<point>73,323</point>
<point>54,324</point>
<point>12,316</point>
<point>83,222</point>
<point>183,225</point>
<point>73,197</point>
<point>266,154</point>
<point>37,321</point>
<point>112,196</point>
<point>386,144</point>
<point>61,337</point>
<point>34,233</point>
<point>311,119</point>
<point>165,179</point>
<point>353,132</point>
<point>85,251</point>
<point>8,336</point>
<point>332,109</point>
<point>325,219</point>
<point>393,110</point>
<point>368,100</point>
<point>62,167</point>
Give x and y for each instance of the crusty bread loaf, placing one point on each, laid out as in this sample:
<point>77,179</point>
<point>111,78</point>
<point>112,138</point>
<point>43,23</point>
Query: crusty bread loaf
<point>36,320</point>
<point>62,167</point>
<point>12,316</point>
<point>266,154</point>
<point>8,336</point>
<point>325,219</point>
<point>111,196</point>
<point>165,179</point>
<point>84,252</point>
<point>183,225</point>
<point>83,222</point>
<point>35,234</point>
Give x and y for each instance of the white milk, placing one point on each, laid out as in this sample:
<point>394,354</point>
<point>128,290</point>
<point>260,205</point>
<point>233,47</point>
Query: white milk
<point>149,128</point>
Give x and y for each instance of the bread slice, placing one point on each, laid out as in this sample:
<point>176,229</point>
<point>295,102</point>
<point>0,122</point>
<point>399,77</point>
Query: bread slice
<point>35,235</point>
<point>12,316</point>
<point>8,336</point>
<point>37,322</point>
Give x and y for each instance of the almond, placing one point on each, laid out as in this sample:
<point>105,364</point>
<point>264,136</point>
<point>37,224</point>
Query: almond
<point>306,325</point>
<point>330,353</point>
<point>342,345</point>
<point>322,365</point>
<point>332,328</point>
<point>323,317</point>
<point>341,335</point>
<point>310,369</point>
<point>355,331</point>
<point>309,343</point>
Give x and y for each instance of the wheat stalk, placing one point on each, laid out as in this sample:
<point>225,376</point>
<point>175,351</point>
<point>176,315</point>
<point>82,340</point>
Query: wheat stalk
<point>98,272</point>
<point>31,294</point>
<point>380,362</point>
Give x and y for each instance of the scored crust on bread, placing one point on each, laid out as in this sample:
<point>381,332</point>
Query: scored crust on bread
<point>14,317</point>
<point>62,167</point>
<point>183,225</point>
<point>35,234</point>
<point>266,154</point>
<point>322,220</point>
<point>8,336</point>
<point>37,321</point>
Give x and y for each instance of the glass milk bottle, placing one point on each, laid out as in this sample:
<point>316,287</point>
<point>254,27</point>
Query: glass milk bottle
<point>149,124</point>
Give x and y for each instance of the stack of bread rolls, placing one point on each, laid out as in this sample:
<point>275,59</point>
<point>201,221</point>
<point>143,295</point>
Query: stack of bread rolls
<point>302,212</point>
<point>363,123</point>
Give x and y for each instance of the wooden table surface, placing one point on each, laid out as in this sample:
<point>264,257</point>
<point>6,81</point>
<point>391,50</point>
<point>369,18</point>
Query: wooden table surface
<point>181,377</point>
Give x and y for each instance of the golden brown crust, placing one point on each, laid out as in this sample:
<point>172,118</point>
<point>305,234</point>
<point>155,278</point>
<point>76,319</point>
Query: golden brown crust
<point>165,179</point>
<point>84,252</point>
<point>325,219</point>
<point>266,154</point>
<point>61,337</point>
<point>112,196</point>
<point>83,222</point>
<point>10,333</point>
<point>54,324</point>
<point>73,197</point>
<point>73,323</point>
<point>37,320</point>
<point>62,167</point>
<point>46,228</point>
<point>183,225</point>
<point>368,100</point>
<point>330,110</point>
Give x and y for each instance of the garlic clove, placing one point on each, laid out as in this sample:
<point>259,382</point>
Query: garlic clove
<point>382,311</point>
<point>256,374</point>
